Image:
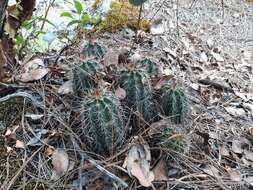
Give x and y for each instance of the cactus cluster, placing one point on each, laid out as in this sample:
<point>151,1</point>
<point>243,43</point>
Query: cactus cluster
<point>104,115</point>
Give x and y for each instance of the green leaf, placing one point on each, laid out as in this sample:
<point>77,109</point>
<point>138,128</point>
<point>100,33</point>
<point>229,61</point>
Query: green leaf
<point>27,24</point>
<point>66,14</point>
<point>19,40</point>
<point>137,2</point>
<point>74,22</point>
<point>79,7</point>
<point>85,18</point>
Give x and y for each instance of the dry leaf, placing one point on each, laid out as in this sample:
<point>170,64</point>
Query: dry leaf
<point>211,170</point>
<point>20,144</point>
<point>9,149</point>
<point>49,151</point>
<point>157,27</point>
<point>34,116</point>
<point>138,164</point>
<point>120,93</point>
<point>33,64</point>
<point>33,75</point>
<point>248,155</point>
<point>171,52</point>
<point>237,147</point>
<point>235,175</point>
<point>10,136</point>
<point>249,180</point>
<point>60,162</point>
<point>135,58</point>
<point>203,57</point>
<point>238,112</point>
<point>224,151</point>
<point>217,57</point>
<point>160,171</point>
<point>66,88</point>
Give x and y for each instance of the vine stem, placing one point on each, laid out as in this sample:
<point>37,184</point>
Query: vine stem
<point>139,18</point>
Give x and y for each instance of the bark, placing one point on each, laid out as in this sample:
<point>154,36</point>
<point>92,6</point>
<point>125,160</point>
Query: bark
<point>11,23</point>
<point>3,6</point>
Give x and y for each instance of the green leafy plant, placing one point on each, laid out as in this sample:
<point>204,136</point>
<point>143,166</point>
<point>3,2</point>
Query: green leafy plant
<point>137,2</point>
<point>84,76</point>
<point>80,18</point>
<point>173,103</point>
<point>103,120</point>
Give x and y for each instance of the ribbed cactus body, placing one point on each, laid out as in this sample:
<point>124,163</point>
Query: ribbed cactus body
<point>172,140</point>
<point>104,120</point>
<point>173,103</point>
<point>83,76</point>
<point>150,66</point>
<point>94,50</point>
<point>138,94</point>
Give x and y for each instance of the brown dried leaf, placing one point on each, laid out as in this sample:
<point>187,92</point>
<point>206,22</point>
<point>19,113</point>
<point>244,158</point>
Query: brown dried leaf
<point>33,75</point>
<point>138,164</point>
<point>248,155</point>
<point>160,171</point>
<point>120,93</point>
<point>237,147</point>
<point>60,162</point>
<point>235,175</point>
<point>211,170</point>
<point>66,88</point>
<point>224,151</point>
<point>20,144</point>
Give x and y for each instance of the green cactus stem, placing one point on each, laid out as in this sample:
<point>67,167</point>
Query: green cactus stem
<point>171,140</point>
<point>138,94</point>
<point>84,76</point>
<point>150,66</point>
<point>103,118</point>
<point>94,50</point>
<point>173,103</point>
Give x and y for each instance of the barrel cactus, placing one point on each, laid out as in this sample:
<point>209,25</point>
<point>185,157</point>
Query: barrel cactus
<point>171,140</point>
<point>150,66</point>
<point>138,94</point>
<point>103,120</point>
<point>173,103</point>
<point>94,49</point>
<point>84,76</point>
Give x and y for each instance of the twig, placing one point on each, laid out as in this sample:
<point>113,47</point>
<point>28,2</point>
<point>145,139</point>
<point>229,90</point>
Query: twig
<point>24,95</point>
<point>102,169</point>
<point>215,84</point>
<point>12,181</point>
